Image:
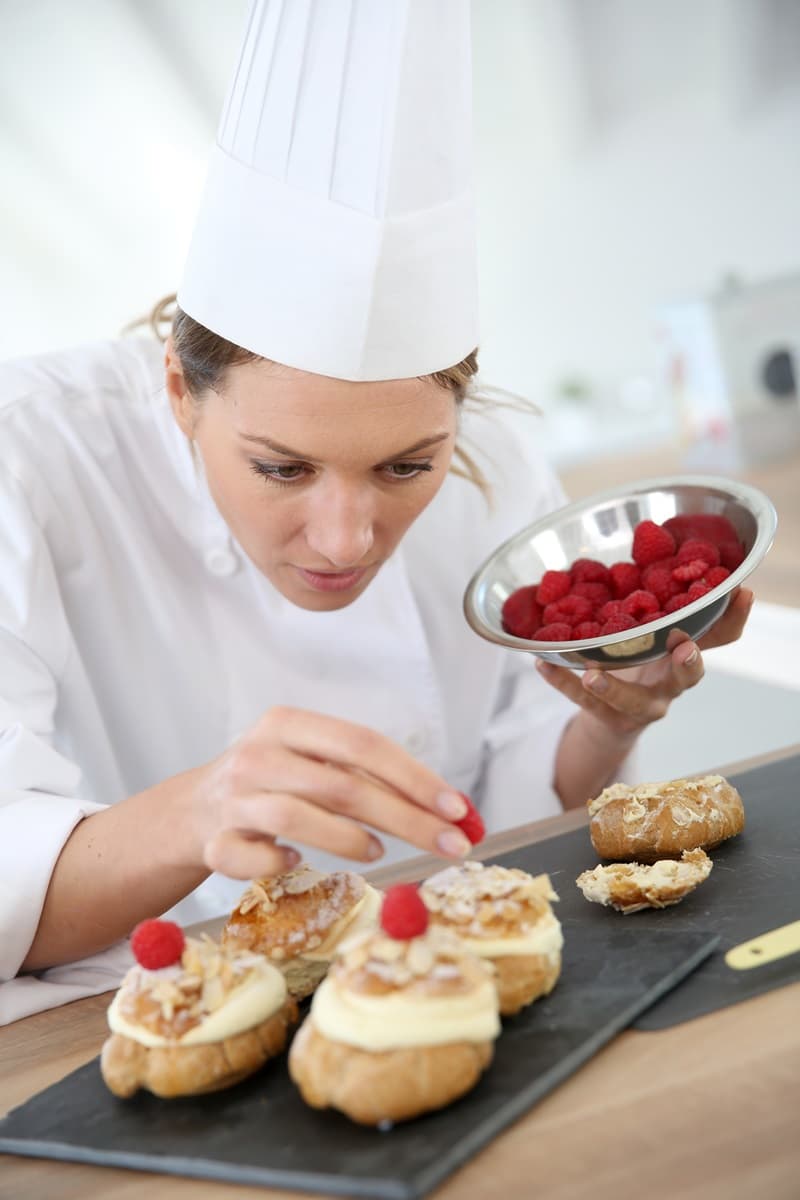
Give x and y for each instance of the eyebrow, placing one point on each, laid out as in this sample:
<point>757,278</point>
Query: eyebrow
<point>287,451</point>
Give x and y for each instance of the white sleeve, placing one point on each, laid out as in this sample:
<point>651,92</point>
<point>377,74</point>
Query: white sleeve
<point>40,800</point>
<point>519,748</point>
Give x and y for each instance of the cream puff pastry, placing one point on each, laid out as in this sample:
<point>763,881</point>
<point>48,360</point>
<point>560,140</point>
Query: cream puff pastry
<point>661,820</point>
<point>630,887</point>
<point>503,915</point>
<point>399,1027</point>
<point>200,1024</point>
<point>298,919</point>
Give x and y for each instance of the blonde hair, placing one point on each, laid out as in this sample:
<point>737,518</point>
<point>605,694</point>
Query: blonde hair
<point>205,357</point>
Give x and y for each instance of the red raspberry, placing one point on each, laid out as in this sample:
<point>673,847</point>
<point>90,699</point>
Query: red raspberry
<point>558,631</point>
<point>571,609</point>
<point>731,555</point>
<point>472,824</point>
<point>157,943</point>
<point>650,543</point>
<point>618,624</point>
<point>608,610</point>
<point>659,581</point>
<point>689,571</point>
<point>693,549</point>
<point>521,613</point>
<point>625,578</point>
<point>588,570</point>
<point>639,604</point>
<point>698,589</point>
<point>710,527</point>
<point>676,602</point>
<point>586,629</point>
<point>553,585</point>
<point>595,593</point>
<point>715,576</point>
<point>681,527</point>
<point>403,912</point>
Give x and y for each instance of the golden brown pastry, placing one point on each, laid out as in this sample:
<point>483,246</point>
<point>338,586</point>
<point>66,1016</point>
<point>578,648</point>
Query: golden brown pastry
<point>630,887</point>
<point>198,1025</point>
<point>298,919</point>
<point>503,915</point>
<point>661,820</point>
<point>399,1027</point>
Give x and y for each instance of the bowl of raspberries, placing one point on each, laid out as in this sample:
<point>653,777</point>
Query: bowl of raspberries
<point>601,582</point>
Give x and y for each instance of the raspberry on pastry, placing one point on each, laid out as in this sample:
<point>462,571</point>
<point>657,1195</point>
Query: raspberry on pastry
<point>399,1027</point>
<point>504,916</point>
<point>661,820</point>
<point>199,1024</point>
<point>298,919</point>
<point>631,887</point>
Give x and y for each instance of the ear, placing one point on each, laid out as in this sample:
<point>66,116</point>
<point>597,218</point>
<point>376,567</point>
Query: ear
<point>180,398</point>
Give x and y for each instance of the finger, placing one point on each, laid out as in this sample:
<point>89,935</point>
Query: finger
<point>687,668</point>
<point>571,685</point>
<point>348,792</point>
<point>356,746</point>
<point>731,624</point>
<point>635,701</point>
<point>295,819</point>
<point>244,856</point>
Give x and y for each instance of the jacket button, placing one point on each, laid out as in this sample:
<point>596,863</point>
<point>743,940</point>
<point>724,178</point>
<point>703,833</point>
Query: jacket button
<point>415,742</point>
<point>220,561</point>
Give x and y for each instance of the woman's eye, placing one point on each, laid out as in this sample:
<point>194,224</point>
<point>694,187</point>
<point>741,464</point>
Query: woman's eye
<point>408,470</point>
<point>279,472</point>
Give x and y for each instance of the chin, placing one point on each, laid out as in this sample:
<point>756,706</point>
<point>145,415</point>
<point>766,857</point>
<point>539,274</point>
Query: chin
<point>322,602</point>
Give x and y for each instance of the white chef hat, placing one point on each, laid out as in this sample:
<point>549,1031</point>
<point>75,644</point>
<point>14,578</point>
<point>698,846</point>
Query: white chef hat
<point>336,231</point>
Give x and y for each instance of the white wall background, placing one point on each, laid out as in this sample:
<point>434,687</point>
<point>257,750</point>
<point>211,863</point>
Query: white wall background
<point>628,153</point>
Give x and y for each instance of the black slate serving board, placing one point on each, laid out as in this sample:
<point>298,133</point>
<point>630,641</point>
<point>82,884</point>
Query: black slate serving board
<point>261,1132</point>
<point>754,886</point>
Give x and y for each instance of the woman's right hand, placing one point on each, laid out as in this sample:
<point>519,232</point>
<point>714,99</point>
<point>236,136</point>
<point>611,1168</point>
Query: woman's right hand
<point>314,779</point>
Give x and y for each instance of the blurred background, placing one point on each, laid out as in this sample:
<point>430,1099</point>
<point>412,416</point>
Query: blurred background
<point>638,184</point>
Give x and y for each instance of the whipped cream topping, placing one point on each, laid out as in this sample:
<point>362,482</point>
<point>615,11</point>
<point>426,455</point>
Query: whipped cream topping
<point>253,991</point>
<point>545,938</point>
<point>383,993</point>
<point>400,1019</point>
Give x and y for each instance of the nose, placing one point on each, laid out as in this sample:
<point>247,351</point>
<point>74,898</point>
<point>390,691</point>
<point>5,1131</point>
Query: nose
<point>339,525</point>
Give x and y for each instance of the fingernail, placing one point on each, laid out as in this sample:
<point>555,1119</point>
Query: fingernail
<point>691,658</point>
<point>453,844</point>
<point>374,849</point>
<point>291,857</point>
<point>452,805</point>
<point>597,681</point>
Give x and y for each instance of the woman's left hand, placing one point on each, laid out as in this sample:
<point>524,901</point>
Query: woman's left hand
<point>623,703</point>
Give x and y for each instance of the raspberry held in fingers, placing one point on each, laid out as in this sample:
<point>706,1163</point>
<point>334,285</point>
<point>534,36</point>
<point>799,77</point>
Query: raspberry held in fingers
<point>472,824</point>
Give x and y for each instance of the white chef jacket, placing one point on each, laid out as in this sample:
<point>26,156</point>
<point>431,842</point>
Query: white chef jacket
<point>137,640</point>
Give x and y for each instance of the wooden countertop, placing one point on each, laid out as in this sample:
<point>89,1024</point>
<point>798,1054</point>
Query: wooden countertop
<point>707,1109</point>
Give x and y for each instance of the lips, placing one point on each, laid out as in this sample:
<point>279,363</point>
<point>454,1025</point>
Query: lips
<point>331,581</point>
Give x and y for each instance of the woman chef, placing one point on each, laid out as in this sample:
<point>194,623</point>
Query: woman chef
<point>230,597</point>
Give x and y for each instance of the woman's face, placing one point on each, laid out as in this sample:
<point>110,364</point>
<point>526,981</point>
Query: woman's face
<point>318,479</point>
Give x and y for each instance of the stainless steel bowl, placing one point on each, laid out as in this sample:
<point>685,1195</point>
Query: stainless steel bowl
<point>601,527</point>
